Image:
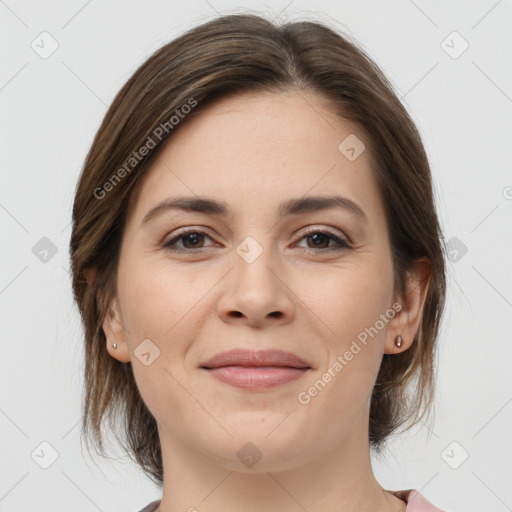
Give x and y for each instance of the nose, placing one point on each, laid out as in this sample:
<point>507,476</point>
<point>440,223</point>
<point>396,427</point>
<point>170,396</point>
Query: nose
<point>257,292</point>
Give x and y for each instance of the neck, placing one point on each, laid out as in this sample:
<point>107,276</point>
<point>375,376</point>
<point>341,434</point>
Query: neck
<point>337,480</point>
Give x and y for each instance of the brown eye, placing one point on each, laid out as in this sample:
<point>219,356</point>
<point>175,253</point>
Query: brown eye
<point>320,241</point>
<point>191,239</point>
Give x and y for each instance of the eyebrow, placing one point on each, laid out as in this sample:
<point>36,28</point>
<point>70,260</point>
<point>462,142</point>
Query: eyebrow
<point>289,207</point>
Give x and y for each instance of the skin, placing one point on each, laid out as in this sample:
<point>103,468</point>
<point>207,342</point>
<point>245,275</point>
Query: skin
<point>254,151</point>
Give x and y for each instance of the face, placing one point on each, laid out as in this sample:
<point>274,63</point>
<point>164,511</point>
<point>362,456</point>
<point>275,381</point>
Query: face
<point>313,281</point>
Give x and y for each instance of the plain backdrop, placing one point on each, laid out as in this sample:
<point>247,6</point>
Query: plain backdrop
<point>449,62</point>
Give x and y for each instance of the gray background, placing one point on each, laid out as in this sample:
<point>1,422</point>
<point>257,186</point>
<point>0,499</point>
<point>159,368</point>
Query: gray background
<point>50,110</point>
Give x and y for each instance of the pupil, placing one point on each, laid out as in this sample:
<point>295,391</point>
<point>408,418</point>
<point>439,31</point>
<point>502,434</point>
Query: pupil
<point>317,238</point>
<point>193,237</point>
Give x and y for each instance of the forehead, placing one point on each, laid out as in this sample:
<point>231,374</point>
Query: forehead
<point>256,149</point>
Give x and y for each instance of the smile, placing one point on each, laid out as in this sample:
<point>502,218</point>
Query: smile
<point>256,377</point>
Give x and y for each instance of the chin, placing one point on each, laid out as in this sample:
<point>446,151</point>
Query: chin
<point>256,448</point>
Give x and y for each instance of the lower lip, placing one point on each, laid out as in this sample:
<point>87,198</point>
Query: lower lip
<point>257,377</point>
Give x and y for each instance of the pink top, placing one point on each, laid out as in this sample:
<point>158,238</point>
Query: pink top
<point>415,502</point>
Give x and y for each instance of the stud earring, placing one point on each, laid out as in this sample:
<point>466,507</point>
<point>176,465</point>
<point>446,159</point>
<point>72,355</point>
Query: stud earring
<point>399,341</point>
<point>114,345</point>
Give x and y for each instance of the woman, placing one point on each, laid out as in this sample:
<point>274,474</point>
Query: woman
<point>258,263</point>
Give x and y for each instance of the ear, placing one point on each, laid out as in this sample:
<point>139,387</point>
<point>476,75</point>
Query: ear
<point>406,322</point>
<point>115,333</point>
<point>112,325</point>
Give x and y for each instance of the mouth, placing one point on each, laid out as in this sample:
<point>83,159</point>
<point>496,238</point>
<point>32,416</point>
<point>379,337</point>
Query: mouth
<point>255,370</point>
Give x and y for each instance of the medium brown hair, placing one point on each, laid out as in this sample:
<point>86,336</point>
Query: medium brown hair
<point>232,54</point>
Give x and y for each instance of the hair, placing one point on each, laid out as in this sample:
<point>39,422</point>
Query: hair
<point>231,54</point>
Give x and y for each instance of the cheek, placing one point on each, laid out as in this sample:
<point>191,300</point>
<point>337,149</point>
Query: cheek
<point>159,304</point>
<point>345,301</point>
<point>167,305</point>
<point>352,305</point>
<point>159,299</point>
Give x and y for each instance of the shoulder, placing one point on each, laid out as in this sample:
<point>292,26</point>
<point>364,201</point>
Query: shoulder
<point>415,501</point>
<point>151,507</point>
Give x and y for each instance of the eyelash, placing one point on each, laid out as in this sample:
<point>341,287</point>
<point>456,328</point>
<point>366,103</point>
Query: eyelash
<point>343,245</point>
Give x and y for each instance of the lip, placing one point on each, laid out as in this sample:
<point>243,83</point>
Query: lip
<point>257,377</point>
<point>249,369</point>
<point>244,357</point>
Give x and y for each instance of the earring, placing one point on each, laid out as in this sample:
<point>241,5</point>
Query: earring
<point>398,341</point>
<point>114,345</point>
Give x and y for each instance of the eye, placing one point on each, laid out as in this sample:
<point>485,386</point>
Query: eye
<point>320,237</point>
<point>193,238</point>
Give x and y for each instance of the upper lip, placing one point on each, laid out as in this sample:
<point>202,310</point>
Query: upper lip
<point>244,357</point>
